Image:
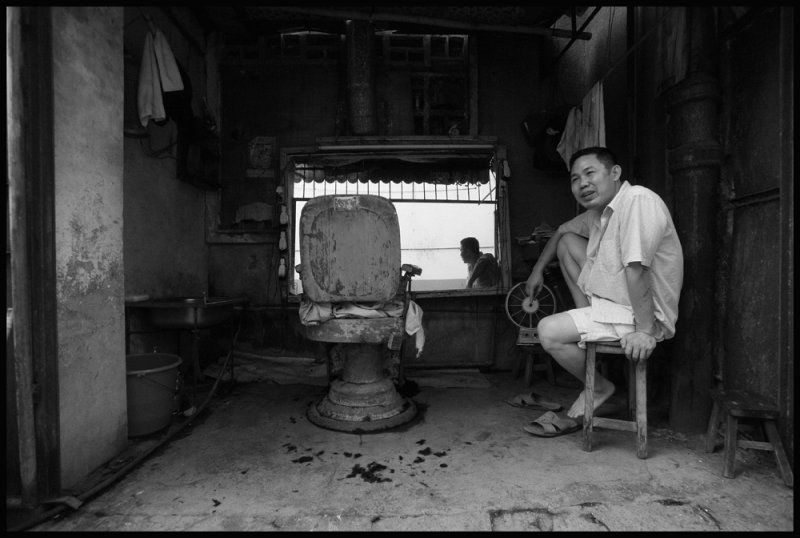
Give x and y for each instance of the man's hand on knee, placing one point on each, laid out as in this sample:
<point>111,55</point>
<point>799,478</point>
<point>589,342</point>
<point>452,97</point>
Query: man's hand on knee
<point>638,345</point>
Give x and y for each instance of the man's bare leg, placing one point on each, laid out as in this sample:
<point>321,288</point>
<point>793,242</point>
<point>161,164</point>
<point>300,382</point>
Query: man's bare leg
<point>571,252</point>
<point>559,337</point>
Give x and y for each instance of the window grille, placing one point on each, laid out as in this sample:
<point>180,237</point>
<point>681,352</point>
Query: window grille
<point>399,191</point>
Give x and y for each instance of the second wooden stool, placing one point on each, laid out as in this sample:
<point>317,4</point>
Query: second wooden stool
<point>740,404</point>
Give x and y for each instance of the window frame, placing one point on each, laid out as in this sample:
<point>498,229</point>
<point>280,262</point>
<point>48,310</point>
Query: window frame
<point>497,154</point>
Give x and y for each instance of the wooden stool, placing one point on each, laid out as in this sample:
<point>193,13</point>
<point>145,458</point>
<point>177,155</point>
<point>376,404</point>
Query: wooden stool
<point>738,404</point>
<point>531,352</point>
<point>637,398</point>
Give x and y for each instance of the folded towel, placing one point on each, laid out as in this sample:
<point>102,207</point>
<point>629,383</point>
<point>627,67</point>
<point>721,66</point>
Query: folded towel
<point>158,73</point>
<point>256,211</point>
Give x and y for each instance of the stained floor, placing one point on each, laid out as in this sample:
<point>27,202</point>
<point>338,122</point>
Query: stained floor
<point>253,462</point>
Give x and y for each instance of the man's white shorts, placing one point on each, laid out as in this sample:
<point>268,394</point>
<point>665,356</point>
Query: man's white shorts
<point>595,330</point>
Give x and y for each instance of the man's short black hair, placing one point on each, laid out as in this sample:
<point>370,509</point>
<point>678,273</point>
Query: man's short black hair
<point>604,155</point>
<point>471,243</point>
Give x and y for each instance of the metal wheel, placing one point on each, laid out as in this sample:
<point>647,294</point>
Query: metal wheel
<point>525,312</point>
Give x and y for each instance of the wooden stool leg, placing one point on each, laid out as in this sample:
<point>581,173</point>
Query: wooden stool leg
<point>713,425</point>
<point>551,376</point>
<point>588,412</point>
<point>730,446</point>
<point>783,463</point>
<point>519,360</point>
<point>631,379</point>
<point>641,409</point>
<point>529,358</point>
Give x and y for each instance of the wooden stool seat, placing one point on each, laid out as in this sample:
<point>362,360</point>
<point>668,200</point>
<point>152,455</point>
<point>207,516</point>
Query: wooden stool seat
<point>637,398</point>
<point>738,404</point>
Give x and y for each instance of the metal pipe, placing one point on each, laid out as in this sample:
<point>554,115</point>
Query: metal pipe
<point>385,147</point>
<point>431,21</point>
<point>361,77</point>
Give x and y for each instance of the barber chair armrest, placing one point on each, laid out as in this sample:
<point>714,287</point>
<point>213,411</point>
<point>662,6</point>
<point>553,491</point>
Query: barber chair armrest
<point>413,270</point>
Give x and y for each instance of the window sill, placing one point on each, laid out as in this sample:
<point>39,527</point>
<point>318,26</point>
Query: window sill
<point>433,294</point>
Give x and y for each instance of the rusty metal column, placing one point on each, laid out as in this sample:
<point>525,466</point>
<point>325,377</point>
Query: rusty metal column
<point>694,158</point>
<point>361,77</point>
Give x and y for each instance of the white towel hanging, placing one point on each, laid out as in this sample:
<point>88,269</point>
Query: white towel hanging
<point>158,73</point>
<point>585,126</point>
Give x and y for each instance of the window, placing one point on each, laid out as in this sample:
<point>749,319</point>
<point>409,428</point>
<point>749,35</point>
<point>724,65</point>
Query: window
<point>440,199</point>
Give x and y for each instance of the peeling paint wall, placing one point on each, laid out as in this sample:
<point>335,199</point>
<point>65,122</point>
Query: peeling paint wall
<point>88,82</point>
<point>165,251</point>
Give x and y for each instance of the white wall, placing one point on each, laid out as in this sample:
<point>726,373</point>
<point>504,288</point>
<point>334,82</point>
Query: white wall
<point>88,113</point>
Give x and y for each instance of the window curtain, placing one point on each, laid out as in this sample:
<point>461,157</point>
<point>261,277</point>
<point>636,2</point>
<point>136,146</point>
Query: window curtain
<point>442,169</point>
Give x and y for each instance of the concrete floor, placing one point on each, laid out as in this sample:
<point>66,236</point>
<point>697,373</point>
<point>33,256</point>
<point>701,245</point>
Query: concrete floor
<point>253,462</point>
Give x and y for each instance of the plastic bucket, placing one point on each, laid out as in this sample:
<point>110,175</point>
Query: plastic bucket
<point>152,382</point>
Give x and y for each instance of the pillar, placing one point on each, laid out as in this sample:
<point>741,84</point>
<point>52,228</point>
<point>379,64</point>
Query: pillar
<point>694,160</point>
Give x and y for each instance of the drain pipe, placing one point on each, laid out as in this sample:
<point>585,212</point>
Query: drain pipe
<point>695,157</point>
<point>76,501</point>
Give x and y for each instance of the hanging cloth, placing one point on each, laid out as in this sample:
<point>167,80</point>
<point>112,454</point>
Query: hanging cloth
<point>586,125</point>
<point>593,131</point>
<point>571,137</point>
<point>158,73</point>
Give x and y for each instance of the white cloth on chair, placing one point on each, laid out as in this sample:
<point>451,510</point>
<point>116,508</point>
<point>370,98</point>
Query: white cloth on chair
<point>414,325</point>
<point>374,310</point>
<point>312,313</point>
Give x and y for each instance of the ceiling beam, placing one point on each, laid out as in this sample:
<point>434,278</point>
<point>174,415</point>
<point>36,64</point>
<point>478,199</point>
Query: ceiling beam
<point>584,25</point>
<point>432,21</point>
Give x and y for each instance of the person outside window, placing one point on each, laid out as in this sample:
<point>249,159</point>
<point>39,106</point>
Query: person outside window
<point>482,269</point>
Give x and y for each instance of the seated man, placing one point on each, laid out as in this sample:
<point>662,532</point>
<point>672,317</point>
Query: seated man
<point>482,269</point>
<point>623,265</point>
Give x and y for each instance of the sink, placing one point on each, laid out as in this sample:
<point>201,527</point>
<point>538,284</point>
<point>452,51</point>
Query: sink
<point>190,312</point>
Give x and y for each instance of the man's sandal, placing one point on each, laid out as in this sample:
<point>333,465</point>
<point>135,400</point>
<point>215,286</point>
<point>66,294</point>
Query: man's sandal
<point>551,425</point>
<point>533,400</point>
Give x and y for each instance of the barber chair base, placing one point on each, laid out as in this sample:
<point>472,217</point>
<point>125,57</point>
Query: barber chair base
<point>365,398</point>
<point>346,417</point>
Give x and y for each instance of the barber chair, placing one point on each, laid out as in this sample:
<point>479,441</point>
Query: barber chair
<point>350,252</point>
